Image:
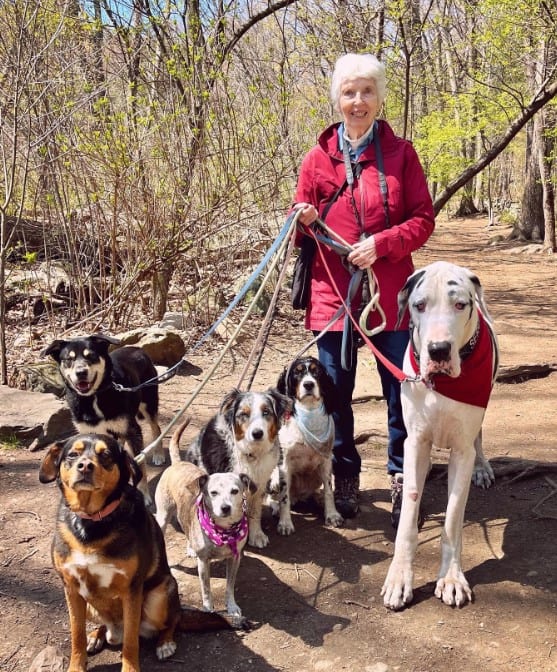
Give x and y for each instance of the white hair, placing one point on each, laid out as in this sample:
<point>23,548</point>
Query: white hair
<point>351,66</point>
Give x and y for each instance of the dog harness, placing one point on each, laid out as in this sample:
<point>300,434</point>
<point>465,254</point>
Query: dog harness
<point>220,536</point>
<point>316,427</point>
<point>475,382</point>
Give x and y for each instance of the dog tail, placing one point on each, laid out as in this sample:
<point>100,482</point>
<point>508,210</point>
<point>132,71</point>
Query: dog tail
<point>195,620</point>
<point>174,445</point>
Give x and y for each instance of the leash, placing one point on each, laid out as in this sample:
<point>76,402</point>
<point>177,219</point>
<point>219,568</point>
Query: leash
<point>173,370</point>
<point>283,241</point>
<point>265,328</point>
<point>397,373</point>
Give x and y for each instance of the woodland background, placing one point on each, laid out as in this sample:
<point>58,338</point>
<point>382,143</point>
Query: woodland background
<point>149,148</point>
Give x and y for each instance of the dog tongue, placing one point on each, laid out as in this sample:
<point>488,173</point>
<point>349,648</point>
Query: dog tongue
<point>83,386</point>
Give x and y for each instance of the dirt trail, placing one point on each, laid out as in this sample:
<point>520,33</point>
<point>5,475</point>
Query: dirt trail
<point>315,596</point>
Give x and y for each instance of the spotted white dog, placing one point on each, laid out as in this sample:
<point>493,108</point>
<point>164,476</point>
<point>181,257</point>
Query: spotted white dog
<point>454,352</point>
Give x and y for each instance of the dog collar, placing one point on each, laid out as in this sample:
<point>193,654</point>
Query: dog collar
<point>103,513</point>
<point>220,536</point>
<point>464,352</point>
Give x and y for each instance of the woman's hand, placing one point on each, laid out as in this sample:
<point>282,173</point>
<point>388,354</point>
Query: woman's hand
<point>308,215</point>
<point>364,254</point>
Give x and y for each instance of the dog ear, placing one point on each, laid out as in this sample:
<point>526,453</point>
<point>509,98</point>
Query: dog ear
<point>281,403</point>
<point>134,473</point>
<point>248,483</point>
<point>480,300</point>
<point>54,349</point>
<point>281,382</point>
<point>50,465</point>
<point>227,405</point>
<point>203,481</point>
<point>104,341</point>
<point>404,294</point>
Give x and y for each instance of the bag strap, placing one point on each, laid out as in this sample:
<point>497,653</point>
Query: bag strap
<point>334,198</point>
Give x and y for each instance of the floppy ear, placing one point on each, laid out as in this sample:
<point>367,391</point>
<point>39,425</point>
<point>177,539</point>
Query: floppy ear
<point>281,382</point>
<point>202,480</point>
<point>134,473</point>
<point>50,466</point>
<point>103,341</point>
<point>281,403</point>
<point>227,405</point>
<point>54,349</point>
<point>480,300</point>
<point>248,483</point>
<point>404,294</point>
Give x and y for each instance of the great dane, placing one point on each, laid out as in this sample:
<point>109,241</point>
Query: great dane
<point>454,355</point>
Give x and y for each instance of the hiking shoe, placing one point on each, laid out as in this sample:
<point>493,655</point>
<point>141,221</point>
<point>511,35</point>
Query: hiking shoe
<point>346,495</point>
<point>396,499</point>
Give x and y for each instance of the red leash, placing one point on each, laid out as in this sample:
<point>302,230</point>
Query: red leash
<point>397,373</point>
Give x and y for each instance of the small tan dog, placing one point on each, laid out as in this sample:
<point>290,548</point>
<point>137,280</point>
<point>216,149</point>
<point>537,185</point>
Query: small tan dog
<point>211,510</point>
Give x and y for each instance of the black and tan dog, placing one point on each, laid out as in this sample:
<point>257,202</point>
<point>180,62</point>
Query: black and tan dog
<point>109,551</point>
<point>90,373</point>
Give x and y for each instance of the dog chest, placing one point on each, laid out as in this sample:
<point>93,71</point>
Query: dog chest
<point>94,575</point>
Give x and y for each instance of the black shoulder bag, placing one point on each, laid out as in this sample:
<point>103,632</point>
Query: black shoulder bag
<point>301,278</point>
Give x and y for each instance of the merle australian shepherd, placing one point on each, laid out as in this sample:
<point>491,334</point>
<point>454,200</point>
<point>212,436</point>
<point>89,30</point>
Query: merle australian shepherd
<point>243,437</point>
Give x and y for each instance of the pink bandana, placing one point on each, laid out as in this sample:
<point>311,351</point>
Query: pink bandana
<point>474,384</point>
<point>220,536</point>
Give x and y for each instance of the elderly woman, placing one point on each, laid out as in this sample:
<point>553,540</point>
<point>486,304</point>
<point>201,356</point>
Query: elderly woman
<point>371,186</point>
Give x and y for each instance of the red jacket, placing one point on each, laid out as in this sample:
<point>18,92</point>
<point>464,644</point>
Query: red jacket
<point>410,210</point>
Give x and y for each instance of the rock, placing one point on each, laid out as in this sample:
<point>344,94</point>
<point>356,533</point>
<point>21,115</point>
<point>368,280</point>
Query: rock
<point>50,659</point>
<point>41,377</point>
<point>164,347</point>
<point>173,320</point>
<point>34,419</point>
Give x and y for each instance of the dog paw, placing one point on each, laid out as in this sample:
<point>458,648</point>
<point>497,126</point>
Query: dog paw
<point>483,476</point>
<point>96,639</point>
<point>334,520</point>
<point>397,589</point>
<point>158,458</point>
<point>258,539</point>
<point>453,591</point>
<point>285,528</point>
<point>165,650</point>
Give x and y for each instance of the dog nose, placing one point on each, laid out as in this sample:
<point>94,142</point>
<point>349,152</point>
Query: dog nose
<point>225,509</point>
<point>85,466</point>
<point>309,385</point>
<point>439,351</point>
<point>257,434</point>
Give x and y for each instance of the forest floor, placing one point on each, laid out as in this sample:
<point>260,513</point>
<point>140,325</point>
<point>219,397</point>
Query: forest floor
<point>314,597</point>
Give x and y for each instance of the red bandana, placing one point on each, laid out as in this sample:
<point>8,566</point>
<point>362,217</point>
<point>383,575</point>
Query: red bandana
<point>474,384</point>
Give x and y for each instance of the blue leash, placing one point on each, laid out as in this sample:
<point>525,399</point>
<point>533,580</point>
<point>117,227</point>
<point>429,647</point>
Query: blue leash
<point>169,373</point>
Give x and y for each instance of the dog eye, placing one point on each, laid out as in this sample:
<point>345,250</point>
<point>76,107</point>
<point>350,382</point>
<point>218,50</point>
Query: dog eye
<point>420,306</point>
<point>213,493</point>
<point>234,491</point>
<point>265,412</point>
<point>72,455</point>
<point>460,305</point>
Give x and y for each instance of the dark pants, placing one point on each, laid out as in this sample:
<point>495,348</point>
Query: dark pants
<point>391,344</point>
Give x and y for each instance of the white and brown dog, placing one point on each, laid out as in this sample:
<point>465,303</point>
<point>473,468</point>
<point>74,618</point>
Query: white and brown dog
<point>306,441</point>
<point>243,438</point>
<point>453,350</point>
<point>211,510</point>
